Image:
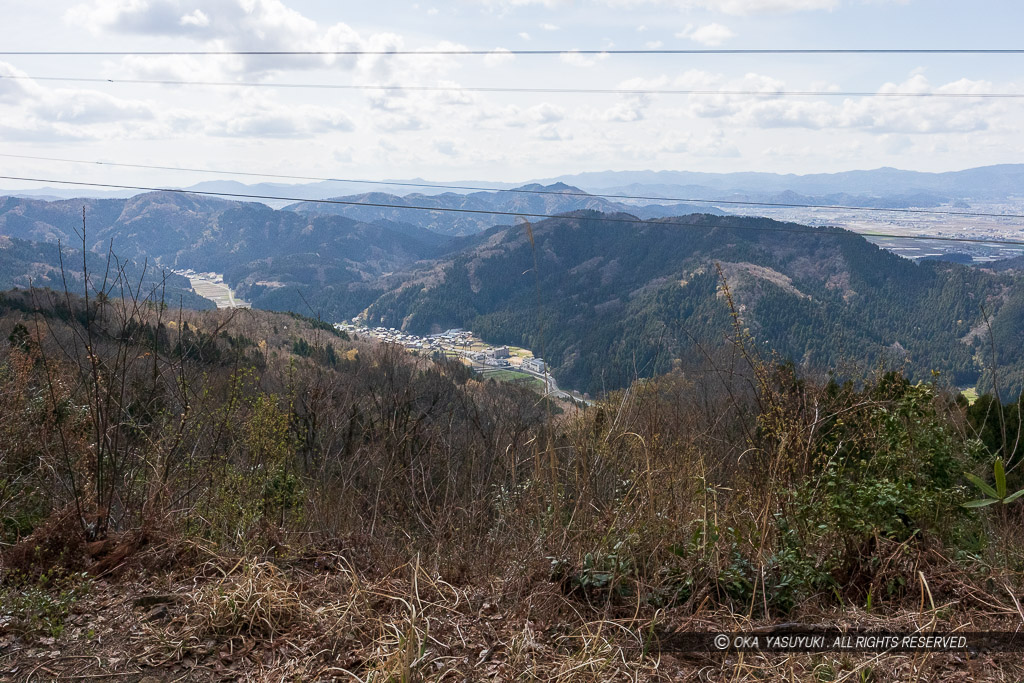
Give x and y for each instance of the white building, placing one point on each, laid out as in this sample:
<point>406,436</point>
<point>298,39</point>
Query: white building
<point>534,365</point>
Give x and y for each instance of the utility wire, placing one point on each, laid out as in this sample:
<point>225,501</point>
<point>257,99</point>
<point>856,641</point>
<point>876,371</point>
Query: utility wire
<point>413,53</point>
<point>511,214</point>
<point>782,205</point>
<point>494,89</point>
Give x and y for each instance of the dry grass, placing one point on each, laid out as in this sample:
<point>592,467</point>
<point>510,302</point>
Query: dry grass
<point>386,520</point>
<point>258,602</point>
<point>262,622</point>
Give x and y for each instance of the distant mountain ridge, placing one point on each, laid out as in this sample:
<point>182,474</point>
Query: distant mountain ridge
<point>454,212</point>
<point>987,182</point>
<point>984,182</point>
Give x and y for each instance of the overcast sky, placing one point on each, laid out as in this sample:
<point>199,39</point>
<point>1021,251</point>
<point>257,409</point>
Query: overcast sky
<point>506,137</point>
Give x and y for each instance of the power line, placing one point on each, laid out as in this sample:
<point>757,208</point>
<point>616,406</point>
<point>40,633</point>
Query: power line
<point>494,89</point>
<point>413,53</point>
<point>781,205</point>
<point>508,214</point>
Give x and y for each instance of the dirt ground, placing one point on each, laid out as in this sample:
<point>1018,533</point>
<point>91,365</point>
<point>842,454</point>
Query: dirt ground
<point>179,614</point>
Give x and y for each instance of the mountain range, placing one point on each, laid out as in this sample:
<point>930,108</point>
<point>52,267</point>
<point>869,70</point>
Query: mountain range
<point>270,257</point>
<point>987,183</point>
<point>457,214</point>
<point>605,296</point>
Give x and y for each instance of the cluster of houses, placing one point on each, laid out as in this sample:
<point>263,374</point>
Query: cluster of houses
<point>457,340</point>
<point>452,339</point>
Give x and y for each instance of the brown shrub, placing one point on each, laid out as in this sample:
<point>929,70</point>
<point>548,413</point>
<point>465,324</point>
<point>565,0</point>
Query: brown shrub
<point>56,545</point>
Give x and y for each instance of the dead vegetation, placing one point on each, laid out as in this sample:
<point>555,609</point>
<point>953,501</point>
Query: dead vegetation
<point>411,625</point>
<point>253,497</point>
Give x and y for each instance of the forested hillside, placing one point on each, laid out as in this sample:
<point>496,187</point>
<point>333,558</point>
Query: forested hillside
<point>25,264</point>
<point>618,300</point>
<point>279,260</point>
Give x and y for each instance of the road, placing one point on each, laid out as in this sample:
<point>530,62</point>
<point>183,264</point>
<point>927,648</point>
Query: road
<point>552,387</point>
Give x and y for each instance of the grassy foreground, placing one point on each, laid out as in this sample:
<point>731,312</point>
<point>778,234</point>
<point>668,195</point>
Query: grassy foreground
<point>251,496</point>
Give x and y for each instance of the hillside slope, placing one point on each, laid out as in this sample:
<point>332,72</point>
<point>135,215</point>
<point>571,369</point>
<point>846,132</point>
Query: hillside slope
<point>620,300</point>
<point>279,260</point>
<point>243,495</point>
<point>25,264</point>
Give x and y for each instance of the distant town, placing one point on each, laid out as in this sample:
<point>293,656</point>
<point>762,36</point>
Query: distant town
<point>502,363</point>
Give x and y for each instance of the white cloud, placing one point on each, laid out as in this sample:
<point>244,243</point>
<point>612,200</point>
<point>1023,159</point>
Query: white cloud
<point>22,131</point>
<point>714,143</point>
<point>402,133</point>
<point>742,7</point>
<point>499,56</point>
<point>258,115</point>
<point>396,123</point>
<point>179,67</point>
<point>69,113</point>
<point>270,25</point>
<point>625,112</point>
<point>575,58</point>
<point>450,97</point>
<point>241,25</point>
<point>67,105</point>
<point>691,79</point>
<point>545,113</point>
<point>196,18</point>
<point>15,85</point>
<point>913,115</point>
<point>447,147</point>
<point>89,107</point>
<point>549,27</point>
<point>280,122</point>
<point>506,4</point>
<point>552,133</point>
<point>735,7</point>
<point>710,34</point>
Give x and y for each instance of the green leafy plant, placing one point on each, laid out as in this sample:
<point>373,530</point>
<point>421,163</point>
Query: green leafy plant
<point>42,607</point>
<point>995,495</point>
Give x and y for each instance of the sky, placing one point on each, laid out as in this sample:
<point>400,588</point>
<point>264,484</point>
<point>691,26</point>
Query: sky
<point>510,137</point>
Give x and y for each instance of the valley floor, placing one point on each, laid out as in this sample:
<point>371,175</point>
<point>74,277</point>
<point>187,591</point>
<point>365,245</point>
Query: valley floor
<point>212,286</point>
